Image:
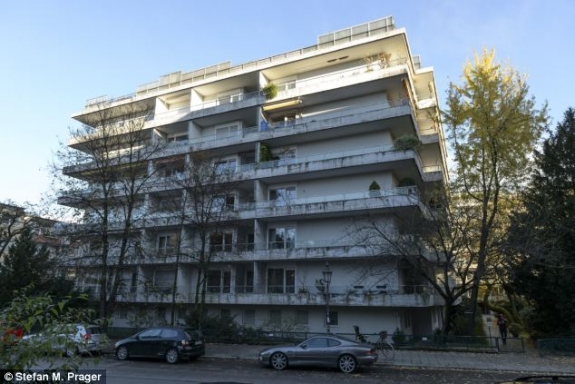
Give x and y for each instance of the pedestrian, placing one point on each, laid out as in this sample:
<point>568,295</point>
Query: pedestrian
<point>502,324</point>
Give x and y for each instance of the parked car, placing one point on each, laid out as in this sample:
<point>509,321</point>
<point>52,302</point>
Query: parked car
<point>71,339</point>
<point>168,343</point>
<point>326,351</point>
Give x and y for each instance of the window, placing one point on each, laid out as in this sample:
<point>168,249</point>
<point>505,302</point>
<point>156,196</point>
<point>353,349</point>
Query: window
<point>227,131</point>
<point>333,343</point>
<point>281,238</point>
<point>333,318</point>
<point>281,280</point>
<point>176,171</point>
<point>285,120</point>
<point>219,281</point>
<point>249,317</point>
<point>229,98</point>
<point>244,281</point>
<point>214,281</point>
<point>224,202</point>
<point>282,196</point>
<point>319,342</point>
<point>177,137</point>
<point>134,282</point>
<point>224,166</point>
<point>169,333</point>
<point>221,242</point>
<point>151,333</point>
<point>166,244</point>
<point>227,282</point>
<point>287,85</point>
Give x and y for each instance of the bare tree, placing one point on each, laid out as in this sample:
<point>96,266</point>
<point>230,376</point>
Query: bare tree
<point>103,173</point>
<point>431,242</point>
<point>204,209</point>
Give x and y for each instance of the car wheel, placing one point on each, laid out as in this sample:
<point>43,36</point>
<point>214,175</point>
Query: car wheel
<point>71,352</point>
<point>347,363</point>
<point>278,361</point>
<point>172,356</point>
<point>122,353</point>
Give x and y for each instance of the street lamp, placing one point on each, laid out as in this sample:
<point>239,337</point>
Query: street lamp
<point>326,281</point>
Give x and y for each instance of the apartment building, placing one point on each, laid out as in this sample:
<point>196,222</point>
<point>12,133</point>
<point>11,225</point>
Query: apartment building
<point>301,136</point>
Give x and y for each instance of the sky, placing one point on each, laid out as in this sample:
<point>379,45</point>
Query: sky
<point>57,54</point>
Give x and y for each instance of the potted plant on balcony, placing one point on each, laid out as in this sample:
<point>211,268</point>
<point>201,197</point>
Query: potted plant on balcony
<point>265,153</point>
<point>270,91</point>
<point>374,189</point>
<point>406,142</point>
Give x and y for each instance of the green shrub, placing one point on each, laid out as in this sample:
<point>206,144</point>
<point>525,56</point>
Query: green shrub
<point>405,142</point>
<point>270,91</point>
<point>374,186</point>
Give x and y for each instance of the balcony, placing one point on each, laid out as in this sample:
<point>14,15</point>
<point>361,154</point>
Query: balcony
<point>336,80</point>
<point>353,202</point>
<point>340,296</point>
<point>344,161</point>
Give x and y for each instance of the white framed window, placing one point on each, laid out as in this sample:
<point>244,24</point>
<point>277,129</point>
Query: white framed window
<point>230,96</point>
<point>333,318</point>
<point>221,241</point>
<point>281,280</point>
<point>224,202</point>
<point>281,238</point>
<point>226,165</point>
<point>166,243</point>
<point>282,196</point>
<point>225,131</point>
<point>219,281</point>
<point>175,137</point>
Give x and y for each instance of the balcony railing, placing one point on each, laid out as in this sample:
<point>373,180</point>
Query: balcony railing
<point>376,296</point>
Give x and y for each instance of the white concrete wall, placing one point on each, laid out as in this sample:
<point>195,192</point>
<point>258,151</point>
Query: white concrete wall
<point>343,185</point>
<point>341,144</point>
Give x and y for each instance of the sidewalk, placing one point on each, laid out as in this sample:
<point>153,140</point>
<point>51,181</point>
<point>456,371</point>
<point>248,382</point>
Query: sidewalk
<point>513,362</point>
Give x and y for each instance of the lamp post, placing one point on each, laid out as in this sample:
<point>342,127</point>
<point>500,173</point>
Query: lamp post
<point>326,281</point>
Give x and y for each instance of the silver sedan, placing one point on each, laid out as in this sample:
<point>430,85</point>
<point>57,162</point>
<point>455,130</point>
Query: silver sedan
<point>324,351</point>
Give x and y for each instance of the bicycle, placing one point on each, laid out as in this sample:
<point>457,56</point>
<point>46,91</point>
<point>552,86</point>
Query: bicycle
<point>384,347</point>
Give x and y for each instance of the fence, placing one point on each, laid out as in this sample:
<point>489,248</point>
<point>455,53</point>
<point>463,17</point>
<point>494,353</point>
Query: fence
<point>400,342</point>
<point>556,346</point>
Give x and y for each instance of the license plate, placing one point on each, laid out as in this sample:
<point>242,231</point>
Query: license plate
<point>199,343</point>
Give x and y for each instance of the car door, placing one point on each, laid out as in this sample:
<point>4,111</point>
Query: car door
<point>143,346</point>
<point>167,340</point>
<point>332,351</point>
<point>312,351</point>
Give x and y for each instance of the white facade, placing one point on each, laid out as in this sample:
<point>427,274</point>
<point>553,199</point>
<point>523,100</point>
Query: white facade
<point>331,128</point>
